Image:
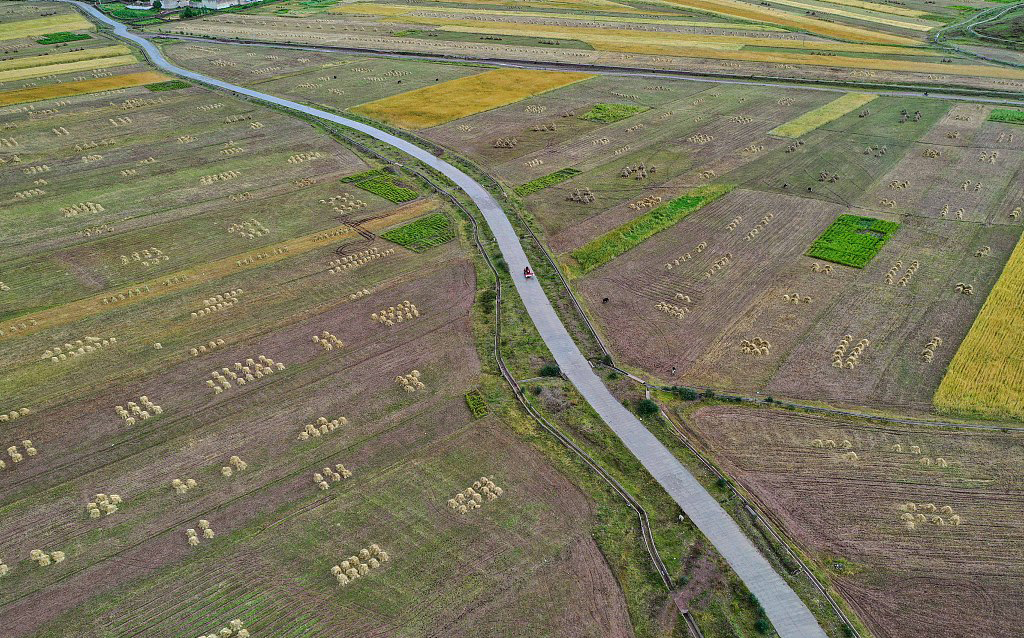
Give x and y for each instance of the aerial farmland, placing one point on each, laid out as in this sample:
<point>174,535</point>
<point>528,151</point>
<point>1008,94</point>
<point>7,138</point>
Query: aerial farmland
<point>336,319</point>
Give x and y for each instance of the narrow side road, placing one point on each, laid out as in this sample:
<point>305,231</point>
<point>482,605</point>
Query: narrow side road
<point>790,617</point>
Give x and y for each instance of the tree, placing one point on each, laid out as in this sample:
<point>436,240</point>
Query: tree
<point>646,407</point>
<point>157,5</point>
<point>550,370</point>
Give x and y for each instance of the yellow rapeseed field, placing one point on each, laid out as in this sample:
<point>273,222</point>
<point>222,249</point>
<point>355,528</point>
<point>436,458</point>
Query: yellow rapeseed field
<point>65,89</point>
<point>822,115</point>
<point>60,58</point>
<point>986,375</point>
<point>458,98</point>
<point>67,67</point>
<point>41,26</point>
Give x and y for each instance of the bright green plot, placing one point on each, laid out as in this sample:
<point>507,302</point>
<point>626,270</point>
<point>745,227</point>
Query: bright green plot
<point>633,233</point>
<point>63,36</point>
<point>381,183</point>
<point>852,240</point>
<point>423,233</point>
<point>1010,116</point>
<point>541,183</point>
<point>608,113</point>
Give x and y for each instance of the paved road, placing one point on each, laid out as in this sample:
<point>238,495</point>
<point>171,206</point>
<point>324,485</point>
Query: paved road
<point>784,608</point>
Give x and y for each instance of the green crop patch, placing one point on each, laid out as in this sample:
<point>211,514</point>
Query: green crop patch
<point>63,36</point>
<point>169,85</point>
<point>541,183</point>
<point>423,233</point>
<point>608,113</point>
<point>633,233</point>
<point>477,404</point>
<point>381,183</point>
<point>385,186</point>
<point>852,240</point>
<point>1009,116</point>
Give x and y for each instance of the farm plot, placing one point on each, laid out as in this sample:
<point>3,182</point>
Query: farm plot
<point>188,292</point>
<point>823,115</point>
<point>729,300</point>
<point>914,527</point>
<point>852,240</point>
<point>423,108</point>
<point>426,232</point>
<point>66,19</point>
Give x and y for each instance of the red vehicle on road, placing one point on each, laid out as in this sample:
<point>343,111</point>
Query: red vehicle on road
<point>527,273</point>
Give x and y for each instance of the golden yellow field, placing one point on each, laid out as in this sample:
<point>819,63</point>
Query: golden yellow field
<point>40,26</point>
<point>455,99</point>
<point>60,58</point>
<point>745,11</point>
<point>20,96</point>
<point>67,67</point>
<point>648,42</point>
<point>900,24</point>
<point>822,115</point>
<point>986,375</point>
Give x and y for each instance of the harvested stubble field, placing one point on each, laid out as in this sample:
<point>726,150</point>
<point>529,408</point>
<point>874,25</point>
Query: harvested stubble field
<point>745,295</point>
<point>847,508</point>
<point>136,210</point>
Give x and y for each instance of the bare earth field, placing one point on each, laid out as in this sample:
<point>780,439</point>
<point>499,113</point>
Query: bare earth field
<point>958,578</point>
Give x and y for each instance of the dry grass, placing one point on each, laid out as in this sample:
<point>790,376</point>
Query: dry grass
<point>61,58</point>
<point>41,26</point>
<point>822,115</point>
<point>458,98</point>
<point>67,67</point>
<point>19,96</point>
<point>986,375</point>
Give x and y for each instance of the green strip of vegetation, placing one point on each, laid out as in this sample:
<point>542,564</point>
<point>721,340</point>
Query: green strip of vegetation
<point>384,186</point>
<point>122,12</point>
<point>423,233</point>
<point>477,404</point>
<point>169,85</point>
<point>609,113</point>
<point>63,36</point>
<point>541,183</point>
<point>633,233</point>
<point>358,177</point>
<point>852,240</point>
<point>1010,116</point>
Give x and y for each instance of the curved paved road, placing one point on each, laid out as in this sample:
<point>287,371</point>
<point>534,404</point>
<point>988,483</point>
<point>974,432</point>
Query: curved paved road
<point>784,608</point>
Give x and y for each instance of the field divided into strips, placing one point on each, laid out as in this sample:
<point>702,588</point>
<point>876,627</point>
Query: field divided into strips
<point>191,255</point>
<point>823,115</point>
<point>455,99</point>
<point>985,377</point>
<point>914,527</point>
<point>81,87</point>
<point>97,63</point>
<point>61,58</point>
<point>748,11</point>
<point>421,234</point>
<point>70,21</point>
